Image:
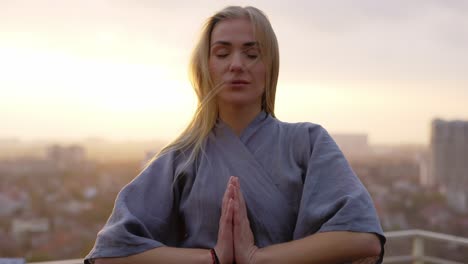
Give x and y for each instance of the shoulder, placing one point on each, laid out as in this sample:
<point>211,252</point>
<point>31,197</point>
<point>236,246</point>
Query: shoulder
<point>306,139</point>
<point>304,130</point>
<point>166,164</point>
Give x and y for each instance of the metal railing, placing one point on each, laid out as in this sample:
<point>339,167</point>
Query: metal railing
<point>418,254</point>
<point>68,261</point>
<point>417,238</point>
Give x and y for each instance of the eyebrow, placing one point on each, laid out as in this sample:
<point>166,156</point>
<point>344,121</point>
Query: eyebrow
<point>226,43</point>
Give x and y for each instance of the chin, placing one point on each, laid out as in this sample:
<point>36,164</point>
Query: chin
<point>239,99</point>
<point>239,102</point>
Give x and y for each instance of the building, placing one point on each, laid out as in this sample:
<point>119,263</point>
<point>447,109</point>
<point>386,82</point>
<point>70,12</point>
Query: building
<point>449,162</point>
<point>353,145</point>
<point>23,229</point>
<point>13,200</point>
<point>67,157</point>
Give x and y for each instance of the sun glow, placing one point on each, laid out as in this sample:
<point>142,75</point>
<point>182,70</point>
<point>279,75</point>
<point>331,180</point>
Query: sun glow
<point>86,68</point>
<point>105,84</point>
<point>57,88</point>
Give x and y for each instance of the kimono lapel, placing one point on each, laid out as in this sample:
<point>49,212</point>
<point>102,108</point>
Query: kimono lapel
<point>267,206</point>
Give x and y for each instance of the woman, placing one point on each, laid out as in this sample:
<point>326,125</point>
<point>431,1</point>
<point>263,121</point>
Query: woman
<point>293,197</point>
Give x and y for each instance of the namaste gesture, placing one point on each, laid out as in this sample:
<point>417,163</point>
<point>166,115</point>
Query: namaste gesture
<point>235,237</point>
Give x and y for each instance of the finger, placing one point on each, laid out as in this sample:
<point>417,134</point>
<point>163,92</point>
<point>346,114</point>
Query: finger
<point>226,196</point>
<point>235,213</point>
<point>226,192</point>
<point>239,192</point>
<point>227,219</point>
<point>235,180</point>
<point>240,196</point>
<point>238,224</point>
<point>226,222</point>
<point>229,214</point>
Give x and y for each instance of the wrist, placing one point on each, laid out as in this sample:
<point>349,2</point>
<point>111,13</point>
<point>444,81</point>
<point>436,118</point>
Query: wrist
<point>259,257</point>
<point>205,258</point>
<point>214,257</point>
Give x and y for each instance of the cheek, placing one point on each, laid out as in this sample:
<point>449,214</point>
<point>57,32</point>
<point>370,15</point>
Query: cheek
<point>214,69</point>
<point>260,75</point>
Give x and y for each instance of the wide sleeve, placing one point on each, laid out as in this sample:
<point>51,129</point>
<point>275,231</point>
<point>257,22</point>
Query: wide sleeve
<point>333,198</point>
<point>144,215</point>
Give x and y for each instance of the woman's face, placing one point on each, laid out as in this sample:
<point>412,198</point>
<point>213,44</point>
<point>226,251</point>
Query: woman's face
<point>235,63</point>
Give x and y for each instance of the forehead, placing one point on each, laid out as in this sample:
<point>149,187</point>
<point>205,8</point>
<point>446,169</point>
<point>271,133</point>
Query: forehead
<point>234,31</point>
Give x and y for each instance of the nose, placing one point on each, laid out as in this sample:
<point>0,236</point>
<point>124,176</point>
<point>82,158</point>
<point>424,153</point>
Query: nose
<point>237,64</point>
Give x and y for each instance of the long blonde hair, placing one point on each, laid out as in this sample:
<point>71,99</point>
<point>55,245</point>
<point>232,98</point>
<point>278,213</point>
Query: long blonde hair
<point>204,119</point>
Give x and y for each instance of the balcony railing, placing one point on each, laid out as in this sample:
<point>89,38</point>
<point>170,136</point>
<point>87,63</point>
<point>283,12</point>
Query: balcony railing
<point>417,253</point>
<point>419,240</point>
<point>68,261</point>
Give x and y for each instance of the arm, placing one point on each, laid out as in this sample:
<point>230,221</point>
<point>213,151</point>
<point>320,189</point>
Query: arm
<point>326,247</point>
<point>323,247</point>
<point>167,255</point>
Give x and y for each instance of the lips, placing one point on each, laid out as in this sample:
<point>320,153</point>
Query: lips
<point>239,82</point>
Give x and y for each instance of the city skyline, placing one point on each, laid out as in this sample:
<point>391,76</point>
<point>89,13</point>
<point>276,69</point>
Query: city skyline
<point>74,70</point>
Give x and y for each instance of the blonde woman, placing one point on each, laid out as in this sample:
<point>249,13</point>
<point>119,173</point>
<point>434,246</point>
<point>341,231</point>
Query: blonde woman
<point>238,185</point>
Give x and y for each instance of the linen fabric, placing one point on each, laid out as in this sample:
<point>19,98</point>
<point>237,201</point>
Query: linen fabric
<point>294,178</point>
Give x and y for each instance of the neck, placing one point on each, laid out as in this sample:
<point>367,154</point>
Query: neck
<point>238,118</point>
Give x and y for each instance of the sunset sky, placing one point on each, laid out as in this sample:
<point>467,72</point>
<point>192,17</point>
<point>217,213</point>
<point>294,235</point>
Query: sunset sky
<point>118,69</point>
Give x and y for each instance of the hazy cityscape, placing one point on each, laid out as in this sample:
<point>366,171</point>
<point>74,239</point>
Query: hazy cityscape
<point>86,85</point>
<point>57,194</point>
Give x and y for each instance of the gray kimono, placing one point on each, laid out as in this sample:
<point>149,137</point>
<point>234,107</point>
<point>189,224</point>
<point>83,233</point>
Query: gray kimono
<point>295,181</point>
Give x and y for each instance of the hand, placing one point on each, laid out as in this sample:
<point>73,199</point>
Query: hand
<point>224,247</point>
<point>244,247</point>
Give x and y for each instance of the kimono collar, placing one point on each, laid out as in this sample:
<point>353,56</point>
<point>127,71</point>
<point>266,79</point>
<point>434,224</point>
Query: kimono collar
<point>260,119</point>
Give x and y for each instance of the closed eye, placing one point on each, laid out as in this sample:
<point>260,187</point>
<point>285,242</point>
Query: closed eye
<point>221,55</point>
<point>252,52</point>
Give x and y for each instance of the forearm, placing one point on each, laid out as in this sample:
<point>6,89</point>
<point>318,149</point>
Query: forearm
<point>165,255</point>
<point>326,247</point>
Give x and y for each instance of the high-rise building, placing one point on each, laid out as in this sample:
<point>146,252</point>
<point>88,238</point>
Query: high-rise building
<point>449,159</point>
<point>67,157</point>
<point>353,145</point>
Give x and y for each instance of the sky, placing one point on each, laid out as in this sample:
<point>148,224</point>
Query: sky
<point>118,69</point>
